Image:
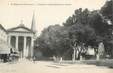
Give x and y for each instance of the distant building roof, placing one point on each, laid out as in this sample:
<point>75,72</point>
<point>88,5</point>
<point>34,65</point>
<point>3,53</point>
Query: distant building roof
<point>1,27</point>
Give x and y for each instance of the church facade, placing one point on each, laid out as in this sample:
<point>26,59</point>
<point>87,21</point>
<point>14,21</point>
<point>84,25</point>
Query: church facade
<point>21,39</point>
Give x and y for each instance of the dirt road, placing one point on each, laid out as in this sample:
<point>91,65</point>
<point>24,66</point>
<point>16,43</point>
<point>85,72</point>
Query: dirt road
<point>50,67</point>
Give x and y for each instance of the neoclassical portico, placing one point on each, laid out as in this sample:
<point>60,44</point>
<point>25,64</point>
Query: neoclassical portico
<point>22,39</point>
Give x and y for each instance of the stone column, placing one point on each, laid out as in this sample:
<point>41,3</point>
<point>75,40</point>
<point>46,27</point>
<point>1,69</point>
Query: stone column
<point>9,40</point>
<point>32,46</point>
<point>16,43</point>
<point>24,49</point>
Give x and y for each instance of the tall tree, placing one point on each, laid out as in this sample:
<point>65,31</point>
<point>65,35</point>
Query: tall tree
<point>84,26</point>
<point>107,10</point>
<point>56,39</point>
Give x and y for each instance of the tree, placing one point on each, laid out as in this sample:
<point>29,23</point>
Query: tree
<point>88,27</point>
<point>84,26</point>
<point>56,39</point>
<point>107,10</point>
<point>79,16</point>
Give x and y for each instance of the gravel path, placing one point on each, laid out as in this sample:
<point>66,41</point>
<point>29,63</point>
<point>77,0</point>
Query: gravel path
<point>50,67</point>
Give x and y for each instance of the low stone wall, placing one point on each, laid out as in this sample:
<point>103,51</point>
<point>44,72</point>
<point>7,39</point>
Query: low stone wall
<point>107,62</point>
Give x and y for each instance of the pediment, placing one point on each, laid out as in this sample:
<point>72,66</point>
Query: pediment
<point>20,29</point>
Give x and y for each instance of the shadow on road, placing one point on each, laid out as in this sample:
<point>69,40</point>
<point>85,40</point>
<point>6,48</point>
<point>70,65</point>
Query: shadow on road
<point>53,66</point>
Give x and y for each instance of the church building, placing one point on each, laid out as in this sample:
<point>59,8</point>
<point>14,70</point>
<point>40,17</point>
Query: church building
<point>21,39</point>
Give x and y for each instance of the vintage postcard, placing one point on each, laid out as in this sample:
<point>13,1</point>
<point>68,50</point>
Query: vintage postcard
<point>56,36</point>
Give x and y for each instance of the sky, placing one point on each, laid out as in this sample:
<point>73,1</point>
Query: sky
<point>47,12</point>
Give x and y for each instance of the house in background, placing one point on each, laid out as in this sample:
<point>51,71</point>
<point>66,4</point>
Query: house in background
<point>4,47</point>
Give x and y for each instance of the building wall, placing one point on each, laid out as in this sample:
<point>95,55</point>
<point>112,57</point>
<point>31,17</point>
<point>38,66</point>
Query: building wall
<point>3,36</point>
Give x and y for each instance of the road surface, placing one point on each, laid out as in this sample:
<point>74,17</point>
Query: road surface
<point>50,67</point>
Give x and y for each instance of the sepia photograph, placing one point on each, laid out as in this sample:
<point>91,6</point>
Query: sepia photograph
<point>56,36</point>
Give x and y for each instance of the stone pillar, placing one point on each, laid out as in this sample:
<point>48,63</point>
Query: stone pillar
<point>9,40</point>
<point>32,46</point>
<point>97,57</point>
<point>24,49</point>
<point>81,58</point>
<point>16,43</point>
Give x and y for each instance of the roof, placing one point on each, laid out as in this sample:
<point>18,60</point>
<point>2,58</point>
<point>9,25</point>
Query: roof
<point>1,27</point>
<point>22,27</point>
